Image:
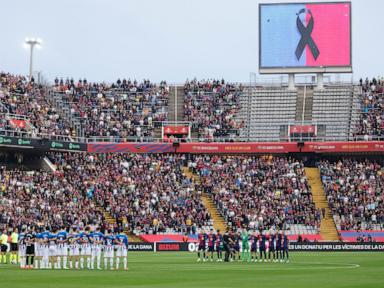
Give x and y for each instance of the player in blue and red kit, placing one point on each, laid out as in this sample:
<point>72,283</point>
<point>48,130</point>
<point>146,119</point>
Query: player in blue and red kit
<point>254,246</point>
<point>211,238</point>
<point>279,247</point>
<point>263,255</point>
<point>219,246</point>
<point>236,248</point>
<point>202,238</point>
<point>272,248</point>
<point>285,248</point>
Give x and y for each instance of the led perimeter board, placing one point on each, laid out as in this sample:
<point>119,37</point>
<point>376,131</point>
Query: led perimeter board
<point>305,38</point>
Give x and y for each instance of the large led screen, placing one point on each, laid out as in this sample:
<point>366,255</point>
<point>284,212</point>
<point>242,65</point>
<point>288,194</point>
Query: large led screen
<point>307,37</point>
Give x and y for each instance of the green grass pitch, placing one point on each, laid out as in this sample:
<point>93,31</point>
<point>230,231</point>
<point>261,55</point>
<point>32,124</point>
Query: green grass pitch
<point>174,269</point>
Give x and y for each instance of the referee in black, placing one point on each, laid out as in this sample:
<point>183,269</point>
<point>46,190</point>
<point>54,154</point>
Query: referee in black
<point>227,243</point>
<point>30,245</point>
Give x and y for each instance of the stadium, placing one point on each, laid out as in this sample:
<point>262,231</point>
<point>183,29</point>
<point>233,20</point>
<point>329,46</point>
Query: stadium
<point>108,181</point>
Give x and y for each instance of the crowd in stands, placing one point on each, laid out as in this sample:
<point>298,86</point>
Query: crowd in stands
<point>354,191</point>
<point>124,109</point>
<point>151,191</point>
<point>143,193</point>
<point>25,108</point>
<point>212,107</point>
<point>45,199</point>
<point>258,192</point>
<point>371,122</point>
<point>129,110</point>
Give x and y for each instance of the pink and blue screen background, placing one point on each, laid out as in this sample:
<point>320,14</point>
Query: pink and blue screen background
<point>280,36</point>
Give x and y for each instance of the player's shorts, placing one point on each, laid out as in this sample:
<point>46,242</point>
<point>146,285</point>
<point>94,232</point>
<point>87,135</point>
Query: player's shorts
<point>245,247</point>
<point>38,251</point>
<point>211,248</point>
<point>22,250</point>
<point>4,248</point>
<point>201,247</point>
<point>96,250</point>
<point>30,250</point>
<point>74,250</point>
<point>52,250</point>
<point>108,251</point>
<point>86,250</point>
<point>278,248</point>
<point>14,247</point>
<point>44,251</point>
<point>62,249</point>
<point>121,251</point>
<point>253,247</point>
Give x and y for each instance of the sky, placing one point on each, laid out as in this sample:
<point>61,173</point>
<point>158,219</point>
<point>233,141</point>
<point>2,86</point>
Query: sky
<point>170,40</point>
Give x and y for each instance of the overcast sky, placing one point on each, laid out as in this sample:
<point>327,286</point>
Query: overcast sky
<point>158,39</point>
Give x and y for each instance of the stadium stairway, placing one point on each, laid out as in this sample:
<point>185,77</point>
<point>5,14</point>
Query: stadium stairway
<point>328,229</point>
<point>218,220</point>
<point>176,104</point>
<point>171,104</point>
<point>304,106</point>
<point>112,223</point>
<point>180,103</point>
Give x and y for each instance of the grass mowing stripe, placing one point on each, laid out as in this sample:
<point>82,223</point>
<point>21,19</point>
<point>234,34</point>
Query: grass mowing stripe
<point>173,269</point>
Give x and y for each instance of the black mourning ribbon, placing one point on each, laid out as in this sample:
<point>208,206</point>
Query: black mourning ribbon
<point>306,38</point>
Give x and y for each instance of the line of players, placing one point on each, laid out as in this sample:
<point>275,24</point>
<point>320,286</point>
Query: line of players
<point>78,249</point>
<point>244,246</point>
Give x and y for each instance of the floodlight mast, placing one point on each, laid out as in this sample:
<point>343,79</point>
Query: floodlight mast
<point>32,42</point>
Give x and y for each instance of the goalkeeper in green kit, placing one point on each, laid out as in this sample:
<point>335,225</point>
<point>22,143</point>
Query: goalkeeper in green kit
<point>245,252</point>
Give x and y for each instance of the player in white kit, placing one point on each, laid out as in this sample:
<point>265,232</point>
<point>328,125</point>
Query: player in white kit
<point>85,249</point>
<point>121,241</point>
<point>108,249</point>
<point>97,240</point>
<point>52,243</point>
<point>22,249</point>
<point>44,248</point>
<point>62,248</point>
<point>74,248</point>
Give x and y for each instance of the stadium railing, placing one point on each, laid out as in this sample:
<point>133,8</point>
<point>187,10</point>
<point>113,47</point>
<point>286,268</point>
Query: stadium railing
<point>32,135</point>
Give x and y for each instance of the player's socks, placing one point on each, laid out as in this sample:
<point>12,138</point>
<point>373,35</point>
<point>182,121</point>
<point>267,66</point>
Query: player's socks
<point>125,263</point>
<point>65,262</point>
<point>98,259</point>
<point>88,263</point>
<point>111,263</point>
<point>36,264</point>
<point>70,264</point>
<point>105,263</point>
<point>81,263</point>
<point>58,262</point>
<point>118,263</point>
<point>22,262</point>
<point>76,264</point>
<point>92,262</point>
